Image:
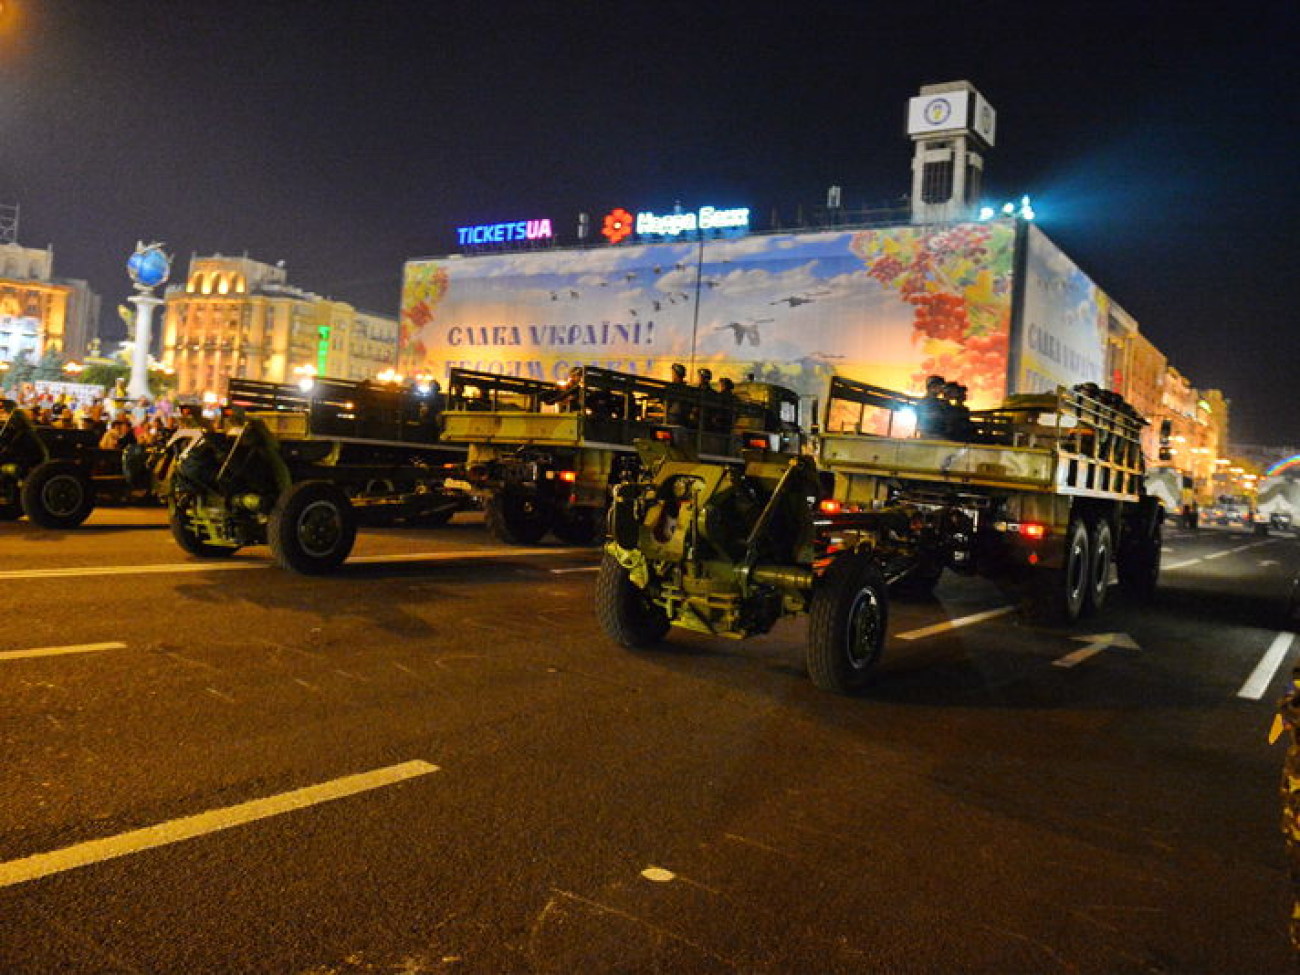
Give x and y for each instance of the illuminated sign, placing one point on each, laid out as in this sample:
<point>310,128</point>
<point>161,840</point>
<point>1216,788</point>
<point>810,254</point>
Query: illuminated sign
<point>722,223</point>
<point>505,233</point>
<point>618,225</point>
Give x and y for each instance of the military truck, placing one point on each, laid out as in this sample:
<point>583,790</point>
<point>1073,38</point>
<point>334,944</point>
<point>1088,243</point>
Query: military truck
<point>1047,489</point>
<point>302,467</point>
<point>545,456</point>
<point>1046,492</point>
<point>55,475</point>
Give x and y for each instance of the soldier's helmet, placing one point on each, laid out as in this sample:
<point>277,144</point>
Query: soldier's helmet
<point>679,371</point>
<point>706,375</point>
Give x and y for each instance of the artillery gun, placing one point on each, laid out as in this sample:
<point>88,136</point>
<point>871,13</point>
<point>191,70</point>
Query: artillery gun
<point>55,476</point>
<point>301,470</point>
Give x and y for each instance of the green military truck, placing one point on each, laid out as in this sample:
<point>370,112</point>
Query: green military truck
<point>300,468</point>
<point>545,456</point>
<point>56,476</point>
<point>1046,490</point>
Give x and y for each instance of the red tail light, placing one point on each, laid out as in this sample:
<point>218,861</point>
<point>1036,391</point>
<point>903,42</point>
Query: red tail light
<point>663,435</point>
<point>568,477</point>
<point>757,443</point>
<point>1033,530</point>
<point>831,507</point>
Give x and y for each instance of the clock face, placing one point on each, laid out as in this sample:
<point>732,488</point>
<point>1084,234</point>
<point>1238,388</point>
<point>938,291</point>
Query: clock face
<point>938,111</point>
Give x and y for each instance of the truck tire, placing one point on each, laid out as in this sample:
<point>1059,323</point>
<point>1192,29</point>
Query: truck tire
<point>188,539</point>
<point>312,528</point>
<point>846,625</point>
<point>1100,556</point>
<point>515,518</point>
<point>625,613</point>
<point>579,526</point>
<point>58,494</point>
<point>1139,565</point>
<point>1060,595</point>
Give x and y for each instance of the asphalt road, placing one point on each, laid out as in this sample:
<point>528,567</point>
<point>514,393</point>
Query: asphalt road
<point>434,761</point>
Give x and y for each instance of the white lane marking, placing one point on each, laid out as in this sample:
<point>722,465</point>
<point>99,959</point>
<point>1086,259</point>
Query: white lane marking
<point>96,851</point>
<point>1257,683</point>
<point>1096,644</point>
<point>214,566</point>
<point>1213,555</point>
<point>59,651</point>
<point>954,624</point>
<point>584,568</point>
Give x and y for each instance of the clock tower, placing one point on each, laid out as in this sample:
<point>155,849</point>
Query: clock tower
<point>951,126</point>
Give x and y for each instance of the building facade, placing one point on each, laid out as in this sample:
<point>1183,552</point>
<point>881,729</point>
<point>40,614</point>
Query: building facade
<point>236,317</point>
<point>38,312</point>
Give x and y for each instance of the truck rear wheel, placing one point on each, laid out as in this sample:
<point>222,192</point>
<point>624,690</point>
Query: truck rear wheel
<point>846,625</point>
<point>1139,565</point>
<point>58,494</point>
<point>189,540</point>
<point>1099,565</point>
<point>626,614</point>
<point>312,528</point>
<point>515,518</point>
<point>1060,595</point>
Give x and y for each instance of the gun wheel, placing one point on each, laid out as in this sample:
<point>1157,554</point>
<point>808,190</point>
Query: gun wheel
<point>190,540</point>
<point>626,614</point>
<point>846,625</point>
<point>58,494</point>
<point>312,528</point>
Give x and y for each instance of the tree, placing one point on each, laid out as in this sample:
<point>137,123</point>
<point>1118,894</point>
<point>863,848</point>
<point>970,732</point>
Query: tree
<point>50,367</point>
<point>22,369</point>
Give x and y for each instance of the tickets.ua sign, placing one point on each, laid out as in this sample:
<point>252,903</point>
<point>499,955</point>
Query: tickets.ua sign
<point>512,232</point>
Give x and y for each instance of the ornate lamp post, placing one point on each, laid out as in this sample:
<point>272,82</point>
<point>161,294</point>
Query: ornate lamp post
<point>149,268</point>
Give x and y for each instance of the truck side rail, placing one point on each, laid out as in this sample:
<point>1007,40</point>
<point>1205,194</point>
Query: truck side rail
<point>1071,441</point>
<point>364,410</point>
<point>602,406</point>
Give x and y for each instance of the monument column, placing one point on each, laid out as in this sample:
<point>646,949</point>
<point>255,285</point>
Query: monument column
<point>149,268</point>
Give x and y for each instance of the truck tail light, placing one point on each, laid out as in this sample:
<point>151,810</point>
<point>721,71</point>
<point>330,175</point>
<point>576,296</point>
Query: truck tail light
<point>568,477</point>
<point>1033,530</point>
<point>831,507</point>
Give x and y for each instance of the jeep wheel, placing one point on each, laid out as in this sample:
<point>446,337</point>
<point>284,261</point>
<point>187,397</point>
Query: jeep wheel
<point>846,625</point>
<point>514,518</point>
<point>626,614</point>
<point>189,540</point>
<point>58,494</point>
<point>312,528</point>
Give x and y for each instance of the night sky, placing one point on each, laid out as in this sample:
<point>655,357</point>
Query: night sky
<point>1159,145</point>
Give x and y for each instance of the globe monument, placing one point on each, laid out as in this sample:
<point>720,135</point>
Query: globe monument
<point>149,268</point>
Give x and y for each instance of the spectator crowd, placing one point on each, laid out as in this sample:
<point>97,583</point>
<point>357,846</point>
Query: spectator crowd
<point>116,418</point>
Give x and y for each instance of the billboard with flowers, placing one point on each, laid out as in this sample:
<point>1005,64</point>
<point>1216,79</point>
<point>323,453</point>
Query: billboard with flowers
<point>888,305</point>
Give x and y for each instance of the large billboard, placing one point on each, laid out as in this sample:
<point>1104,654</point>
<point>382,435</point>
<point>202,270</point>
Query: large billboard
<point>1061,338</point>
<point>888,306</point>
